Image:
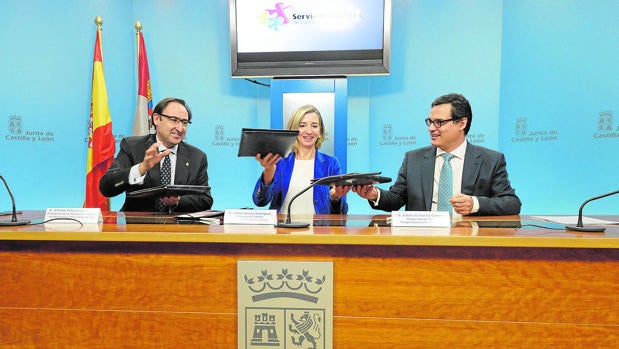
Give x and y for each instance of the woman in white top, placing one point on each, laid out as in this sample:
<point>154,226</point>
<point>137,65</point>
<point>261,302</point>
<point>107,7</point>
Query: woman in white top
<point>283,178</point>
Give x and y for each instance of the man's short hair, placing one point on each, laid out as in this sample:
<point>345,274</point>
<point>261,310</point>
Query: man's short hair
<point>460,108</point>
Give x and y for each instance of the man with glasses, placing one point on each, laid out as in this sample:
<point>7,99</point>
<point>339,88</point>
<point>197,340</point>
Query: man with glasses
<point>158,159</point>
<point>476,176</point>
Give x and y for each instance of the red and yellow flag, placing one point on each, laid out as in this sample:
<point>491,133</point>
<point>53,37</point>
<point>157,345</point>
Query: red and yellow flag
<point>144,104</point>
<point>101,144</point>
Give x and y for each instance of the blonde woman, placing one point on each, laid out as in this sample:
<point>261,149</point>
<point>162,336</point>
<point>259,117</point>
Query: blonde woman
<point>283,178</point>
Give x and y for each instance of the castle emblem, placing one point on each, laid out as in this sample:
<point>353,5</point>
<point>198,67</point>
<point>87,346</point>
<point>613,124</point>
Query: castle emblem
<point>605,121</point>
<point>219,132</point>
<point>387,132</point>
<point>521,127</point>
<point>15,125</point>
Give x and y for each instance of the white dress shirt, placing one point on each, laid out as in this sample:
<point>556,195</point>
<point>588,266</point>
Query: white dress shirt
<point>302,175</point>
<point>134,174</point>
<point>457,165</point>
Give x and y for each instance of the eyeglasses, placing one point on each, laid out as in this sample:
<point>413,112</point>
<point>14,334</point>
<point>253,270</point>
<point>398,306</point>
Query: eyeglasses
<point>438,123</point>
<point>176,120</point>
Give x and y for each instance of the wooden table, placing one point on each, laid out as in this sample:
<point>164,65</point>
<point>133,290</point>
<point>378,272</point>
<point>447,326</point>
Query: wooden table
<point>174,285</point>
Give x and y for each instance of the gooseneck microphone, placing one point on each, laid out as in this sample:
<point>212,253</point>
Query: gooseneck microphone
<point>14,220</point>
<point>579,226</point>
<point>288,223</point>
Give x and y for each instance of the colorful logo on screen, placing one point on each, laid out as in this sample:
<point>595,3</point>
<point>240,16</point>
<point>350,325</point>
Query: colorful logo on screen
<point>275,17</point>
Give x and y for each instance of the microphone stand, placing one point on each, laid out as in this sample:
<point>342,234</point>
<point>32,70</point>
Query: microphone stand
<point>14,220</point>
<point>288,223</point>
<point>579,226</point>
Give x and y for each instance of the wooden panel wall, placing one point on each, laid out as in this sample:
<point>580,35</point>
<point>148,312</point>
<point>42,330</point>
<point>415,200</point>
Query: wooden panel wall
<point>117,295</point>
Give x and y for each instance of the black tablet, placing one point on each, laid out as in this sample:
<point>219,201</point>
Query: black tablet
<point>169,190</point>
<point>352,179</point>
<point>264,141</point>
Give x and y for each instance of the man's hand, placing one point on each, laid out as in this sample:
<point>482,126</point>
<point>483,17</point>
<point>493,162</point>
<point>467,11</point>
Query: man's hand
<point>366,191</point>
<point>152,157</point>
<point>171,200</point>
<point>462,204</point>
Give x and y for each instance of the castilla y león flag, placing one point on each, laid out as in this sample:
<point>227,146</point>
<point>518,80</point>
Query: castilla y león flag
<point>144,104</point>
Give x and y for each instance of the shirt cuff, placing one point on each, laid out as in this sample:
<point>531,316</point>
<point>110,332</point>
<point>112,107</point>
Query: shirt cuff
<point>375,202</point>
<point>134,176</point>
<point>475,204</point>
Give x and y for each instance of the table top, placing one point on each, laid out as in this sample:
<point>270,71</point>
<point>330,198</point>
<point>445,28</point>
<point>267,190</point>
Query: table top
<point>505,231</point>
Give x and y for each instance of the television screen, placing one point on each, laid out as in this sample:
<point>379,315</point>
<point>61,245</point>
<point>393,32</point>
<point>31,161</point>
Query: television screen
<point>297,38</point>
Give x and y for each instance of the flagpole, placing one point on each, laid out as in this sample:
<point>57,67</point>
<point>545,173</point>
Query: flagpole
<point>142,121</point>
<point>101,149</point>
<point>138,29</point>
<point>99,24</point>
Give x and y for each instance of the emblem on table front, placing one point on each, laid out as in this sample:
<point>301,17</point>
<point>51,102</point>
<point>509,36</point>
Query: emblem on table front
<point>300,286</point>
<point>264,324</point>
<point>291,304</point>
<point>308,327</point>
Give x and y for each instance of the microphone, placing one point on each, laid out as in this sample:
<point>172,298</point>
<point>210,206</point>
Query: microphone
<point>14,220</point>
<point>579,226</point>
<point>288,223</point>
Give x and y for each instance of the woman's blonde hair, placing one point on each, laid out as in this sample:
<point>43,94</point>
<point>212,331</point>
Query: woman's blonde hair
<point>295,120</point>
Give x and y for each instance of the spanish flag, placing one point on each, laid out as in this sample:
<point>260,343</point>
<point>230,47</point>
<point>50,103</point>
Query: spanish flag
<point>101,145</point>
<point>144,105</point>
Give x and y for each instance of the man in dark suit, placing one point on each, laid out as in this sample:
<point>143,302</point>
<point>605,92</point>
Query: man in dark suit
<point>140,160</point>
<point>479,184</point>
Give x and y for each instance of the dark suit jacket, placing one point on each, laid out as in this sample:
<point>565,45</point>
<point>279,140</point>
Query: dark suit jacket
<point>191,168</point>
<point>484,175</point>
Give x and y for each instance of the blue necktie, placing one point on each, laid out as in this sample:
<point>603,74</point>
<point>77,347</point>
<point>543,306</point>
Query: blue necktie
<point>166,176</point>
<point>445,185</point>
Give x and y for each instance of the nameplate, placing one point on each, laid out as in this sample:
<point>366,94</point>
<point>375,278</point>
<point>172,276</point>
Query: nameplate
<point>254,217</point>
<point>82,215</point>
<point>420,219</point>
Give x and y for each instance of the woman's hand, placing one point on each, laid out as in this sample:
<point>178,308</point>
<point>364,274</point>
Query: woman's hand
<point>337,192</point>
<point>268,162</point>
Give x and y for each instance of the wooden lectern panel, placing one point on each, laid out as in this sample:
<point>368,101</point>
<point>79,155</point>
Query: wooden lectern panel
<point>169,285</point>
<point>384,296</point>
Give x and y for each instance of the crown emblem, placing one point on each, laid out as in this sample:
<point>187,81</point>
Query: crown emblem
<point>285,285</point>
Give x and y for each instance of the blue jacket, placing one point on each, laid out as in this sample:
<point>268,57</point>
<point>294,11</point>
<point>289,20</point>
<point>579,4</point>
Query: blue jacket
<point>324,165</point>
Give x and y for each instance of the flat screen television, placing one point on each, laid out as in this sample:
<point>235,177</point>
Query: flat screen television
<point>309,38</point>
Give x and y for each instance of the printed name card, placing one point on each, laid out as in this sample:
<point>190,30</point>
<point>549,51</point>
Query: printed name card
<point>82,215</point>
<point>420,219</point>
<point>256,217</point>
